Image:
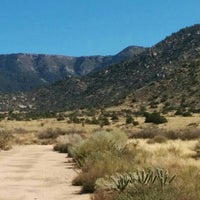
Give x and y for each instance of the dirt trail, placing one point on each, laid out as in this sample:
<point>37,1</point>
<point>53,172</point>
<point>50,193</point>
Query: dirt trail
<point>36,172</point>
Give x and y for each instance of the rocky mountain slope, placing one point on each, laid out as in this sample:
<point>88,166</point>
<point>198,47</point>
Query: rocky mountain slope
<point>22,72</point>
<point>168,72</point>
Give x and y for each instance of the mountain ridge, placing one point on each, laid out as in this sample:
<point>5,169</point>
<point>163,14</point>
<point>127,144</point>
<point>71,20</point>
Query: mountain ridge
<point>169,62</point>
<point>23,72</point>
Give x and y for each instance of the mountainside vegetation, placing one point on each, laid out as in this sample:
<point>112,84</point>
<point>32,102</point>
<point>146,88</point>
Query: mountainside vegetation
<point>161,77</point>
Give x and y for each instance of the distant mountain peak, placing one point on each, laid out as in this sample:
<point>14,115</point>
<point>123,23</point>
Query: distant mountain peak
<point>25,71</point>
<point>131,51</point>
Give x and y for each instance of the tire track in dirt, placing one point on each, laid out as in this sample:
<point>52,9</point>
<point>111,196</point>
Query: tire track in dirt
<point>36,172</point>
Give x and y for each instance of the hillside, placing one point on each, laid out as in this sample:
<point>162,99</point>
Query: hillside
<point>168,72</point>
<point>23,72</point>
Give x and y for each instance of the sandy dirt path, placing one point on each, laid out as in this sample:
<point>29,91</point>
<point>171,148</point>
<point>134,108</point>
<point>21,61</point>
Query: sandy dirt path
<point>36,172</point>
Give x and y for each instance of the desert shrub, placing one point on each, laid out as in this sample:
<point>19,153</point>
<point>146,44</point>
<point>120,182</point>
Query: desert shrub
<point>20,130</point>
<point>93,156</point>
<point>150,133</point>
<point>98,165</point>
<point>187,114</point>
<point>107,163</point>
<point>99,142</point>
<point>145,133</point>
<point>172,134</point>
<point>50,133</point>
<point>5,139</point>
<point>129,119</point>
<point>72,131</point>
<point>114,117</point>
<point>94,120</point>
<point>87,180</point>
<point>103,121</point>
<point>61,148</point>
<point>155,118</point>
<point>60,118</point>
<point>26,116</point>
<point>104,153</point>
<point>2,116</point>
<point>153,104</point>
<point>158,139</point>
<point>189,134</point>
<point>91,112</point>
<point>197,150</point>
<point>64,142</point>
<point>193,124</point>
<point>105,195</point>
<point>75,119</point>
<point>151,193</point>
<point>179,111</point>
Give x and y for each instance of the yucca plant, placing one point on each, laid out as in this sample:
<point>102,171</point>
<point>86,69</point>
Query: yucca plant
<point>139,180</point>
<point>164,177</point>
<point>120,181</point>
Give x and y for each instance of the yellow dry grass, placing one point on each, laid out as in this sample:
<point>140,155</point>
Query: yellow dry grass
<point>172,154</point>
<point>174,123</point>
<point>42,124</point>
<point>25,132</point>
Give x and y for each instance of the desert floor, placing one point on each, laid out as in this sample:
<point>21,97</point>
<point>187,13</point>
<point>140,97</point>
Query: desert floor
<point>36,172</point>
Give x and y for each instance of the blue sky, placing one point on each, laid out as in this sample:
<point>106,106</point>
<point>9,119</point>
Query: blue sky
<point>90,27</point>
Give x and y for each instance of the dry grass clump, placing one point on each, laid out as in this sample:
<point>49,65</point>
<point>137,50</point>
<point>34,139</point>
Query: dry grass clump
<point>187,185</point>
<point>64,142</point>
<point>146,133</point>
<point>5,139</point>
<point>158,139</point>
<point>25,139</point>
<point>190,134</point>
<point>197,150</point>
<point>175,155</point>
<point>149,133</point>
<point>20,130</point>
<point>50,133</point>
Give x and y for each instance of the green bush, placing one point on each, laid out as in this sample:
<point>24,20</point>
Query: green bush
<point>187,114</point>
<point>75,120</point>
<point>103,121</point>
<point>129,119</point>
<point>60,118</point>
<point>155,118</point>
<point>114,117</point>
